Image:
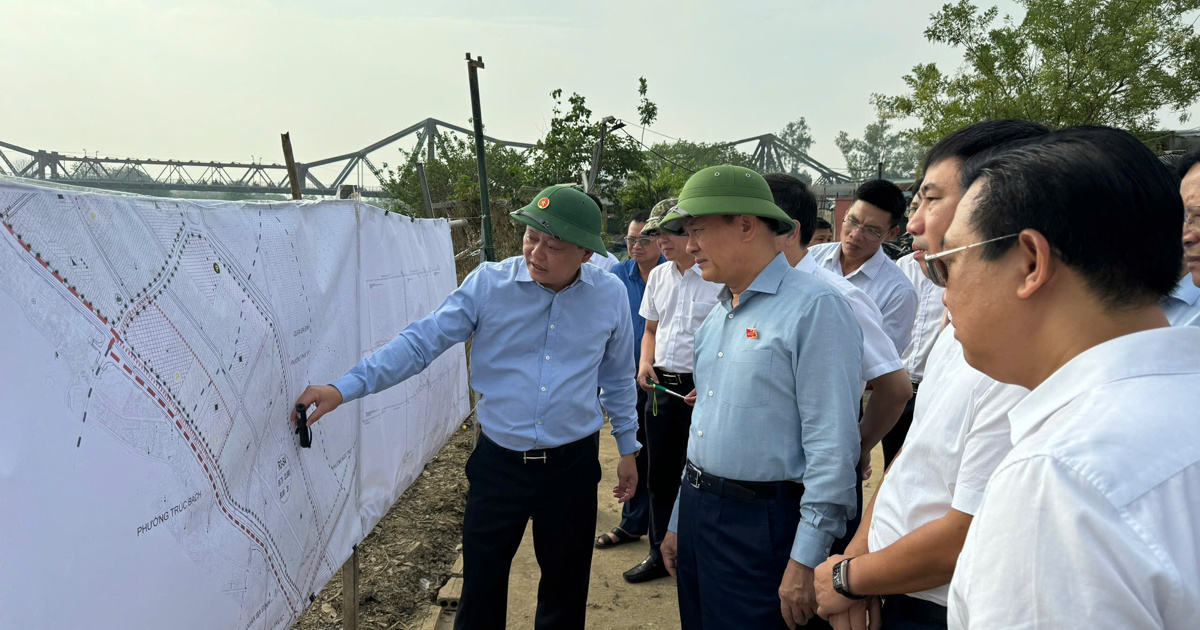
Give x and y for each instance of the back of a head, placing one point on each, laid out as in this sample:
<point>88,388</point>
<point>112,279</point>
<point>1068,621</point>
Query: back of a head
<point>1187,162</point>
<point>822,224</point>
<point>796,200</point>
<point>979,137</point>
<point>1075,186</point>
<point>883,195</point>
<point>593,197</point>
<point>641,216</point>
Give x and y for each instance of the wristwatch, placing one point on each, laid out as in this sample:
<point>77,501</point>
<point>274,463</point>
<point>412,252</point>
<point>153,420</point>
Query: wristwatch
<point>841,580</point>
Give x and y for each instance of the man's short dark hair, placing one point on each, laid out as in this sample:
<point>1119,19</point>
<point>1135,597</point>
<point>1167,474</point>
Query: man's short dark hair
<point>822,224</point>
<point>593,197</point>
<point>1185,164</point>
<point>1073,186</point>
<point>883,195</point>
<point>641,216</point>
<point>796,200</point>
<point>974,139</point>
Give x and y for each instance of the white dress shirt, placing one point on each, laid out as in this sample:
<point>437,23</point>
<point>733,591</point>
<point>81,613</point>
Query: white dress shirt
<point>886,285</point>
<point>606,263</point>
<point>928,321</point>
<point>959,435</point>
<point>1093,519</point>
<point>1183,305</point>
<point>679,302</point>
<point>879,354</point>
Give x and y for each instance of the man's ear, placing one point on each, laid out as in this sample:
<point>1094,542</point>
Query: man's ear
<point>587,254</point>
<point>1037,262</point>
<point>892,233</point>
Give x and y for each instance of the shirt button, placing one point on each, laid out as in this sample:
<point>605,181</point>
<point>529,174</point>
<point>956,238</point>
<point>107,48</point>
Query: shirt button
<point>720,355</point>
<point>699,434</point>
<point>551,326</point>
<point>547,357</point>
<point>543,389</point>
<point>731,316</point>
<point>709,392</point>
<point>539,421</point>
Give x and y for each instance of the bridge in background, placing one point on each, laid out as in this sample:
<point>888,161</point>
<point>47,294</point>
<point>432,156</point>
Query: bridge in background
<point>155,176</point>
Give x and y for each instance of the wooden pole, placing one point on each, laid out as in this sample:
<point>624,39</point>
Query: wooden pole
<point>291,165</point>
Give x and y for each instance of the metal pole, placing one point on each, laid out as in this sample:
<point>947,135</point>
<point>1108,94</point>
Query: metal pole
<point>291,165</point>
<point>473,66</point>
<point>596,155</point>
<point>425,191</point>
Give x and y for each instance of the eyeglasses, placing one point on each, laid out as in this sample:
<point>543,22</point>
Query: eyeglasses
<point>936,267</point>
<point>644,241</point>
<point>871,232</point>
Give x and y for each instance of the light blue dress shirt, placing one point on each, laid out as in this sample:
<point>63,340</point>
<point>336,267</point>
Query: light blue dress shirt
<point>537,358</point>
<point>778,381</point>
<point>1182,307</point>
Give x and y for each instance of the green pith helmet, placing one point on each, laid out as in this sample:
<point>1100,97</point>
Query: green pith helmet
<point>657,213</point>
<point>566,213</point>
<point>726,189</point>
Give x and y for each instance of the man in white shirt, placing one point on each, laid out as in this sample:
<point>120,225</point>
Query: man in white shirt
<point>1183,305</point>
<point>1093,518</point>
<point>676,302</point>
<point>926,326</point>
<point>881,366</point>
<point>873,218</point>
<point>916,523</point>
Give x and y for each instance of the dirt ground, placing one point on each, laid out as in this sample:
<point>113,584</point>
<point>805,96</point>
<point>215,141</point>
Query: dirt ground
<point>408,556</point>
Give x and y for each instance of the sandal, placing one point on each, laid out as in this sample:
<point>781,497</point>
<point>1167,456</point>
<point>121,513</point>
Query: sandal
<point>614,538</point>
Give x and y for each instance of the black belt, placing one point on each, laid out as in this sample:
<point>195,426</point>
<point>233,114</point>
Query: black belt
<point>670,378</point>
<point>916,385</point>
<point>740,490</point>
<point>915,609</point>
<point>542,455</point>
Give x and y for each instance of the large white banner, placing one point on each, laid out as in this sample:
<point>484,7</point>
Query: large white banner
<point>150,352</point>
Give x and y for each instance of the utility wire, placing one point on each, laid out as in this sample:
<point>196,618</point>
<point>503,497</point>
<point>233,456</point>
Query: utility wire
<point>656,153</point>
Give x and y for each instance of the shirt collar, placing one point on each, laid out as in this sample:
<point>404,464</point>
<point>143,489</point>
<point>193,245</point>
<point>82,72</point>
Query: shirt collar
<point>808,264</point>
<point>1158,351</point>
<point>632,271</point>
<point>767,281</point>
<point>871,268</point>
<point>1186,291</point>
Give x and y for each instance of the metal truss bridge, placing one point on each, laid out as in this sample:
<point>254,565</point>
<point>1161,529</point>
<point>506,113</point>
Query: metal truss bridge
<point>149,175</point>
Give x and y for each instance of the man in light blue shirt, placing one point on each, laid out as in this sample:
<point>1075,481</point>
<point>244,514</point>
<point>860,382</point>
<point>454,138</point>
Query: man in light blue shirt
<point>774,439</point>
<point>548,331</point>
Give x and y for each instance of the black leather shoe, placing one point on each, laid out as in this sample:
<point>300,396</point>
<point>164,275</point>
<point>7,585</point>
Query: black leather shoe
<point>652,568</point>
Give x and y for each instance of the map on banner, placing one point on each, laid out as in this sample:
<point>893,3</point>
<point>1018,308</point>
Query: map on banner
<point>150,352</point>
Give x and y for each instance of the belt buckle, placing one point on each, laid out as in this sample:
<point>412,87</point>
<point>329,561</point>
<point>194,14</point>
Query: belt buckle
<point>525,458</point>
<point>694,477</point>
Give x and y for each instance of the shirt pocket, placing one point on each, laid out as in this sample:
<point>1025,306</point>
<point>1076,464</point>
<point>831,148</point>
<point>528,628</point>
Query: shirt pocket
<point>744,384</point>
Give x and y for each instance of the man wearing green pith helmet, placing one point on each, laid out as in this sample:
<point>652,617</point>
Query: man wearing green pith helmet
<point>548,332</point>
<point>769,481</point>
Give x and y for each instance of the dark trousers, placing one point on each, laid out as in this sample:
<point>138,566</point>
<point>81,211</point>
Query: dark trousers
<point>901,612</point>
<point>559,494</point>
<point>666,450</point>
<point>635,513</point>
<point>895,438</point>
<point>732,555</point>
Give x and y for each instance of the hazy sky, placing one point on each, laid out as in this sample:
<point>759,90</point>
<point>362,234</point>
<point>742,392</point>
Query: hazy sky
<point>220,79</point>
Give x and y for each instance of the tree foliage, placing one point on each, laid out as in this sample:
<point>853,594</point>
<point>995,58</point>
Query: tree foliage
<point>797,134</point>
<point>1066,62</point>
<point>565,154</point>
<point>897,150</point>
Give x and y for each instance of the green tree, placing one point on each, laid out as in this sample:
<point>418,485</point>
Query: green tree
<point>798,135</point>
<point>453,174</point>
<point>898,152</point>
<point>1066,62</point>
<point>565,154</point>
<point>647,109</point>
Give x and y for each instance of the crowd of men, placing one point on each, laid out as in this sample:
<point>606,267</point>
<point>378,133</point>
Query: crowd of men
<point>1034,380</point>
